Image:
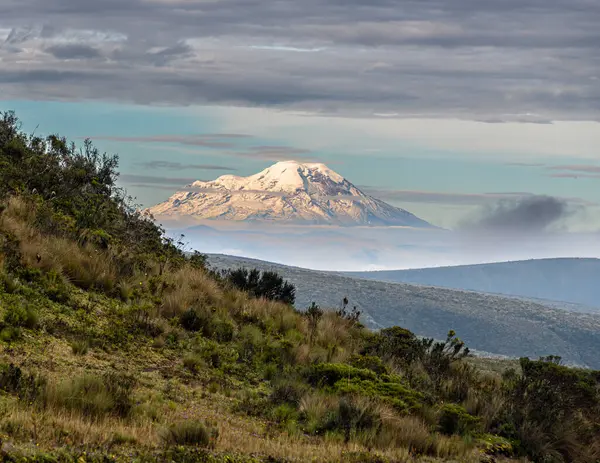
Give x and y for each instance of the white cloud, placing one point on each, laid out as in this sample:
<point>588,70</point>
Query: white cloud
<point>510,141</point>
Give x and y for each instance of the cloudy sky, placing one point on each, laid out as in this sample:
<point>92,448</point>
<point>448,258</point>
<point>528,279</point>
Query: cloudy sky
<point>445,108</point>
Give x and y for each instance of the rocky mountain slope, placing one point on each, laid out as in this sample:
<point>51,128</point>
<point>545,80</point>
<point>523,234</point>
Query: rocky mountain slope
<point>486,322</point>
<point>286,192</point>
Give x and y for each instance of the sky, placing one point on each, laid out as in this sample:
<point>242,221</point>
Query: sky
<point>461,111</point>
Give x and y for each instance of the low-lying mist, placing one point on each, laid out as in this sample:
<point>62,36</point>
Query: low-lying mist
<point>374,248</point>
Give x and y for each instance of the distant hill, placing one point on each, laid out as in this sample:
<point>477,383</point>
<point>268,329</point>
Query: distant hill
<point>568,280</point>
<point>486,322</point>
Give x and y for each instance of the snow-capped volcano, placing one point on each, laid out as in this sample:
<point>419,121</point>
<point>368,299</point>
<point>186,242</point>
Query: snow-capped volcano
<point>286,192</point>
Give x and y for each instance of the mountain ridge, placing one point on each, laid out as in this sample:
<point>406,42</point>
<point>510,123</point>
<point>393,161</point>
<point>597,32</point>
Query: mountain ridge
<point>569,280</point>
<point>286,192</point>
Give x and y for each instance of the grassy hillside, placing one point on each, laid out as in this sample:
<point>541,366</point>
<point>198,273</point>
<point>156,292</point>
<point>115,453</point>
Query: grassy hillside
<point>115,346</point>
<point>567,280</point>
<point>489,323</point>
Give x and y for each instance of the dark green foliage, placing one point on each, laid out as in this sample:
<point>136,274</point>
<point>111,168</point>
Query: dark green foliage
<point>352,315</point>
<point>198,260</point>
<point>211,325</point>
<point>9,334</point>
<point>370,362</point>
<point>284,413</point>
<point>454,419</point>
<point>353,416</point>
<point>27,386</point>
<point>55,287</point>
<point>496,445</point>
<point>193,362</point>
<point>253,404</point>
<point>394,393</point>
<point>314,313</point>
<point>95,396</point>
<point>402,346</point>
<point>191,321</point>
<point>20,315</point>
<point>75,195</point>
<point>262,284</point>
<point>327,374</point>
<point>80,347</point>
<point>397,343</point>
<point>190,433</point>
<point>550,400</point>
<point>288,391</point>
<point>8,283</point>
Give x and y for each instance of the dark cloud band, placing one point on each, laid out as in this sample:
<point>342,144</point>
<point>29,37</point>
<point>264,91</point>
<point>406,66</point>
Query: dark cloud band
<point>457,58</point>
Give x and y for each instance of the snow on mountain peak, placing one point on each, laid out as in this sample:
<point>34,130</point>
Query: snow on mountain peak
<point>288,191</point>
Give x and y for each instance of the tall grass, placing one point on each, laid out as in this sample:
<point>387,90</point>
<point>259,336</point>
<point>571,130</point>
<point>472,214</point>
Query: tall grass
<point>91,396</point>
<point>84,266</point>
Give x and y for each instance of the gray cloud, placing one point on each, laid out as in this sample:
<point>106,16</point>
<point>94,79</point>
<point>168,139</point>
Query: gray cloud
<point>168,165</point>
<point>208,142</point>
<point>438,197</point>
<point>586,168</point>
<point>261,152</point>
<point>530,61</point>
<point>574,171</point>
<point>532,214</point>
<point>525,164</point>
<point>276,153</point>
<point>574,175</point>
<point>73,51</point>
<point>174,182</point>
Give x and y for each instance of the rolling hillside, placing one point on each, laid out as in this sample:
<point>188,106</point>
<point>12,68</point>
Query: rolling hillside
<point>567,280</point>
<point>486,322</point>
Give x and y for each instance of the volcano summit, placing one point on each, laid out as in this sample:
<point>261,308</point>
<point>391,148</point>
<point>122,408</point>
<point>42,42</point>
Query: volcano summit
<point>286,192</point>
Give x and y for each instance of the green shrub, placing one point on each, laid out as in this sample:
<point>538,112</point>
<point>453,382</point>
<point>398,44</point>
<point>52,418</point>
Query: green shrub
<point>358,416</point>
<point>252,404</point>
<point>284,413</point>
<point>222,329</point>
<point>198,260</point>
<point>193,362</point>
<point>27,386</point>
<point>288,392</point>
<point>214,354</point>
<point>251,342</point>
<point>9,334</point>
<point>80,347</point>
<point>191,320</point>
<point>551,409</point>
<point>8,283</point>
<point>55,287</point>
<point>259,284</point>
<point>94,396</point>
<point>369,362</point>
<point>496,445</point>
<point>327,374</point>
<point>454,419</point>
<point>190,433</point>
<point>18,315</point>
<point>396,394</point>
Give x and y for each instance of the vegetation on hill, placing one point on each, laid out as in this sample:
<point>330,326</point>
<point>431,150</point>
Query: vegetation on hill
<point>487,323</point>
<point>117,346</point>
